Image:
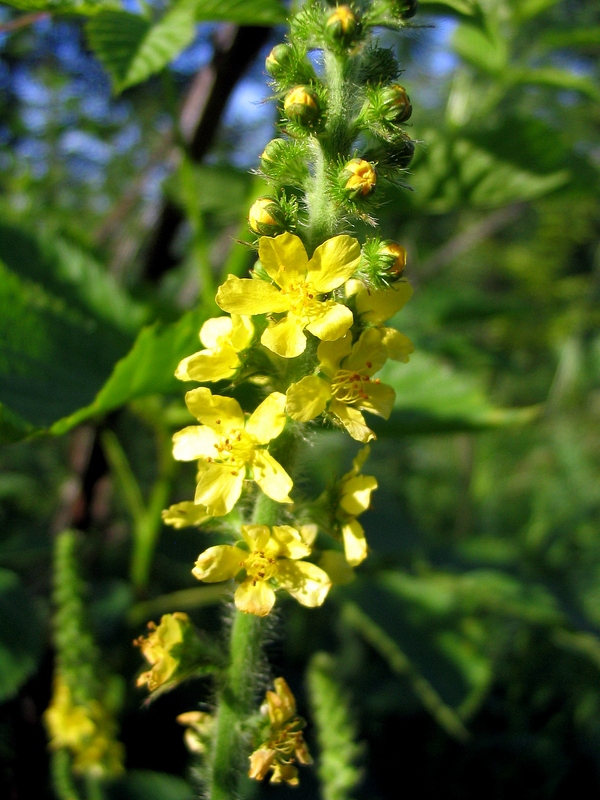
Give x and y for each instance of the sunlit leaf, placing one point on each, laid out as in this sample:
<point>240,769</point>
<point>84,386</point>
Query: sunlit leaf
<point>84,7</point>
<point>556,78</point>
<point>466,8</point>
<point>485,49</point>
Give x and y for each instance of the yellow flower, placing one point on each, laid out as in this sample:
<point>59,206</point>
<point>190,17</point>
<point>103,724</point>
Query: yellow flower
<point>285,743</point>
<point>271,561</point>
<point>85,729</point>
<point>226,444</point>
<point>165,648</point>
<point>299,284</point>
<point>358,178</point>
<point>198,729</point>
<point>354,498</point>
<point>185,514</point>
<point>224,338</point>
<point>346,386</point>
<point>376,306</point>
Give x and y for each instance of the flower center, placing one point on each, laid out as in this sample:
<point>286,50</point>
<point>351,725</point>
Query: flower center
<point>349,387</point>
<point>260,567</point>
<point>234,448</point>
<point>303,298</point>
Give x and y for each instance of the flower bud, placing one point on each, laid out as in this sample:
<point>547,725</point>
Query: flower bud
<point>394,259</point>
<point>358,178</point>
<point>396,105</point>
<point>266,217</point>
<point>302,106</point>
<point>279,60</point>
<point>342,27</point>
<point>273,151</point>
<point>405,8</point>
<point>400,152</point>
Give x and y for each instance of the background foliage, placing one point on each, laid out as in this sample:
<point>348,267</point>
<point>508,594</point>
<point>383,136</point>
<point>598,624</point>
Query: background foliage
<point>467,650</point>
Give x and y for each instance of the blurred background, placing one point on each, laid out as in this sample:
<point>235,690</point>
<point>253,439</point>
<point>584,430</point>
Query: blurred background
<point>465,655</point>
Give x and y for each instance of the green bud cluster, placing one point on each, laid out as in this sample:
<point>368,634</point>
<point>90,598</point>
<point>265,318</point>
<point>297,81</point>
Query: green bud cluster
<point>341,120</point>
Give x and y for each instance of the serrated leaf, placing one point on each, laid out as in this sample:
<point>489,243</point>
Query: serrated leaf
<point>147,369</point>
<point>132,49</point>
<point>21,635</point>
<point>432,397</point>
<point>53,357</point>
<point>453,173</point>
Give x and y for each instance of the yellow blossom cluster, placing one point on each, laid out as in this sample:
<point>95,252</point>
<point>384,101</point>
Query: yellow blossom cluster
<point>317,315</point>
<point>284,743</point>
<point>86,730</point>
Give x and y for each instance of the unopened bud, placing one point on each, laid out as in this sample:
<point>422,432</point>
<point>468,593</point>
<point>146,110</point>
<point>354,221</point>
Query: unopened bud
<point>279,60</point>
<point>396,103</point>
<point>342,27</point>
<point>358,178</point>
<point>405,8</point>
<point>394,258</point>
<point>273,151</point>
<point>302,106</point>
<point>266,217</point>
<point>400,152</point>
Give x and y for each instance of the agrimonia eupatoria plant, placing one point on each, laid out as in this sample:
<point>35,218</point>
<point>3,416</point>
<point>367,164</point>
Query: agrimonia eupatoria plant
<point>307,334</point>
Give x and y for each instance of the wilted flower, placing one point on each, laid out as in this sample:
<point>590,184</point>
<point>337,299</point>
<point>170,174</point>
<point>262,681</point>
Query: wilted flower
<point>285,743</point>
<point>171,648</point>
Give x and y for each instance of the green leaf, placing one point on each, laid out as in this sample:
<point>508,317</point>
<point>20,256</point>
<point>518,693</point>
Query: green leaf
<point>556,78</point>
<point>69,272</point>
<point>84,7</point>
<point>485,49</point>
<point>131,48</point>
<point>147,785</point>
<point>146,370</point>
<point>527,9</point>
<point>432,397</point>
<point>21,635</point>
<point>54,357</point>
<point>467,8</point>
<point>575,37</point>
<point>242,12</point>
<point>452,173</point>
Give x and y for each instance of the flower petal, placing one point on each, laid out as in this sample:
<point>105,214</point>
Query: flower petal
<point>271,477</point>
<point>219,488</point>
<point>209,365</point>
<point>378,305</point>
<point>184,515</point>
<point>256,536</point>
<point>254,597</point>
<point>331,353</point>
<point>332,323</point>
<point>306,582</point>
<point>352,420</point>
<point>260,763</point>
<point>355,544</point>
<point>285,337</point>
<point>380,399</point>
<point>291,544</point>
<point>222,414</point>
<point>356,494</point>
<point>333,263</point>
<point>307,398</point>
<point>368,353</point>
<point>250,296</point>
<point>193,442</point>
<point>268,420</point>
<point>215,331</point>
<point>219,563</point>
<point>398,346</point>
<point>283,257</point>
<point>242,332</point>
